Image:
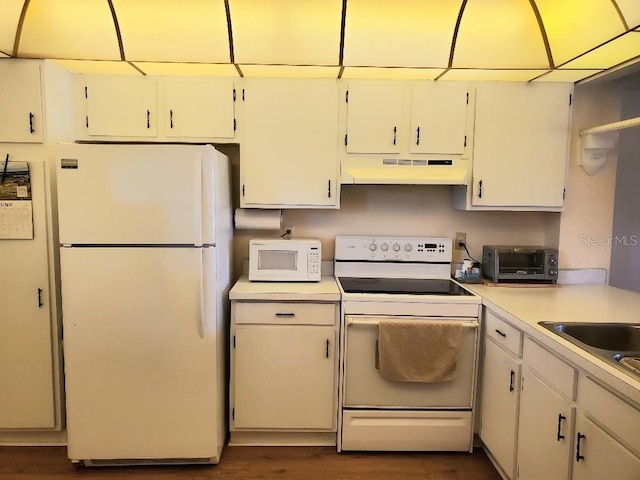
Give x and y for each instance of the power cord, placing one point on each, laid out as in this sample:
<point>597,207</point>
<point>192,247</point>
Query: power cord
<point>286,234</point>
<point>464,245</point>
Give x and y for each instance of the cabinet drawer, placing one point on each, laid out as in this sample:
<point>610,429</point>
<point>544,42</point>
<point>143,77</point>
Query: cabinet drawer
<point>610,411</point>
<point>286,313</point>
<point>503,333</point>
<point>555,372</point>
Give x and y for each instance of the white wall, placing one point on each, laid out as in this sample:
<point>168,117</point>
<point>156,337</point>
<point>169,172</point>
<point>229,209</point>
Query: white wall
<point>413,211</point>
<point>585,224</point>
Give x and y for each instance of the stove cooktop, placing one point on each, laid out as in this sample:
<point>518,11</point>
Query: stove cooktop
<point>402,286</point>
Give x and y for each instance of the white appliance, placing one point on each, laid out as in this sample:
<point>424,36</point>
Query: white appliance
<point>388,279</point>
<point>285,260</point>
<point>145,233</point>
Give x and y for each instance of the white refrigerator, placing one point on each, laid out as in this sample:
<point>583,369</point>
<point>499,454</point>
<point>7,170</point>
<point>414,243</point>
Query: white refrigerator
<point>145,233</point>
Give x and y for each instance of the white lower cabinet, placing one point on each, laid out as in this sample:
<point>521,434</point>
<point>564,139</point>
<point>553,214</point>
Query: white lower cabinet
<point>544,431</point>
<point>599,456</point>
<point>547,411</point>
<point>284,377</point>
<point>283,368</point>
<point>499,405</point>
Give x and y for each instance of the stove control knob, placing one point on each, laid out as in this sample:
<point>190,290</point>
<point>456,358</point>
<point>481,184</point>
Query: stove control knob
<point>373,247</point>
<point>408,247</point>
<point>384,247</point>
<point>396,247</point>
<point>553,261</point>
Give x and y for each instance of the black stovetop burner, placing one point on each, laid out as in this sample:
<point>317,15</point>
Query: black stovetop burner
<point>411,286</point>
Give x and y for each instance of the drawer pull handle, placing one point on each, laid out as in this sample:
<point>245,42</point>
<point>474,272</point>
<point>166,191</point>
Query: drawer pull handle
<point>327,351</point>
<point>579,438</point>
<point>288,315</point>
<point>512,375</point>
<point>501,333</point>
<point>560,419</point>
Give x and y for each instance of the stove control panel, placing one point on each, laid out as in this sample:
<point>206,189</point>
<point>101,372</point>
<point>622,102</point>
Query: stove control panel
<point>394,249</point>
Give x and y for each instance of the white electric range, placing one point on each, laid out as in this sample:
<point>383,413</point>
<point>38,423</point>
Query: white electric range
<point>402,278</point>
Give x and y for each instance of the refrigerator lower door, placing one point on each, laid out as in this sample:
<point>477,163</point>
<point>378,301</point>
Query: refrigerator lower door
<point>140,358</point>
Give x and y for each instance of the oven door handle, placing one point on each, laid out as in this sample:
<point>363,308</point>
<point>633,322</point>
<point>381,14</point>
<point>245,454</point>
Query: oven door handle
<point>464,323</point>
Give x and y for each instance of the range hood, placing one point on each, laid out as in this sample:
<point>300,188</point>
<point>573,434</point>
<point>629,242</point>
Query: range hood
<point>394,171</point>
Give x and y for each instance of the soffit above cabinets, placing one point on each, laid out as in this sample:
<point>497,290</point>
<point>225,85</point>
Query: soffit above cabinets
<point>511,40</point>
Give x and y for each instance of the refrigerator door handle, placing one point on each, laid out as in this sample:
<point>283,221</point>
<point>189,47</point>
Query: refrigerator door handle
<point>197,201</point>
<point>201,312</point>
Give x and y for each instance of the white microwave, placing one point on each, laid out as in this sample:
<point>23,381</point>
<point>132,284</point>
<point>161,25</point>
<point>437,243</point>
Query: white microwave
<point>281,260</point>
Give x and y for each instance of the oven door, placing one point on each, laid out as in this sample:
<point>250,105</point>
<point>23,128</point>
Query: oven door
<point>364,387</point>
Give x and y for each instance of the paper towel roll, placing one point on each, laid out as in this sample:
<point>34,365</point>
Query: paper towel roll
<point>257,219</point>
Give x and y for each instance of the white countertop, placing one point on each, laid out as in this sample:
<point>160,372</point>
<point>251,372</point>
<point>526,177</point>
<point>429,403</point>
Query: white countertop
<point>326,290</point>
<point>525,307</point>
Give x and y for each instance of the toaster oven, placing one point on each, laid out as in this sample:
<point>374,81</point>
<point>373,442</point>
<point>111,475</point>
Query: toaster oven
<point>503,263</point>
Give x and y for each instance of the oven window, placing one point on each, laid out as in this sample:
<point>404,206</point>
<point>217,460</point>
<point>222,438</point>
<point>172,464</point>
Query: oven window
<point>522,262</point>
<point>278,260</point>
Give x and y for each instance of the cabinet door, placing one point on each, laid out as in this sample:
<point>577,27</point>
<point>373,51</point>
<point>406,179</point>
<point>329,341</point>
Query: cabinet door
<point>374,117</point>
<point>20,102</point>
<point>121,106</point>
<point>438,118</point>
<point>544,431</point>
<point>284,377</point>
<point>198,108</point>
<point>26,357</point>
<point>597,455</point>
<point>289,154</point>
<point>521,144</point>
<point>500,395</point>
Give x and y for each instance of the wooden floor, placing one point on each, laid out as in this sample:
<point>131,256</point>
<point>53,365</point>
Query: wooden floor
<point>287,463</point>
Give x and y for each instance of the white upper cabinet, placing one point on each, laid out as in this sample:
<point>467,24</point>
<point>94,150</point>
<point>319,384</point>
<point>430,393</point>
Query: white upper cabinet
<point>521,145</point>
<point>374,117</point>
<point>197,108</point>
<point>121,106</point>
<point>406,118</point>
<point>289,146</point>
<point>20,102</point>
<point>438,118</point>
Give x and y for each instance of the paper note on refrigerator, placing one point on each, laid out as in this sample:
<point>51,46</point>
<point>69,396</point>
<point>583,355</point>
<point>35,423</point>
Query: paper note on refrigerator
<point>16,210</point>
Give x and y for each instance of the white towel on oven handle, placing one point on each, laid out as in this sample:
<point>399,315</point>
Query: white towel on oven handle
<point>418,350</point>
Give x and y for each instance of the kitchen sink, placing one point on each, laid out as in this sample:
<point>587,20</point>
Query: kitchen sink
<point>615,343</point>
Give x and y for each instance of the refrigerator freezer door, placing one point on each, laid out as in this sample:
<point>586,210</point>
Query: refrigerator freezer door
<point>135,194</point>
<point>140,361</point>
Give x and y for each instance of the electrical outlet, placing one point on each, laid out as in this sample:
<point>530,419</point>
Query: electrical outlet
<point>459,238</point>
<point>288,230</point>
